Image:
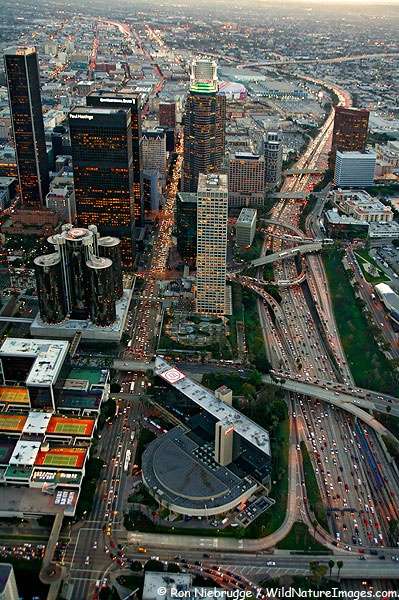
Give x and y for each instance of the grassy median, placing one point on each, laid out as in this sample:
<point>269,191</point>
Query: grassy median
<point>369,366</point>
<point>312,489</point>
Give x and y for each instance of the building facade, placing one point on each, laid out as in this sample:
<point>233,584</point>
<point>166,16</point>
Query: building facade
<point>273,151</point>
<point>204,125</point>
<point>167,114</point>
<point>154,151</point>
<point>246,180</point>
<point>186,226</point>
<point>350,131</point>
<point>101,140</point>
<point>246,227</point>
<point>132,100</point>
<point>354,169</point>
<point>212,213</point>
<point>23,83</point>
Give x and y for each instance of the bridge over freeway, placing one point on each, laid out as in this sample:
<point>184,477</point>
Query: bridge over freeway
<point>283,225</point>
<point>290,195</point>
<point>290,253</point>
<point>308,171</point>
<point>357,402</point>
<point>16,320</point>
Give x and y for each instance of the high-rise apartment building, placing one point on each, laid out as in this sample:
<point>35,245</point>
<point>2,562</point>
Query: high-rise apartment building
<point>167,114</point>
<point>186,226</point>
<point>204,125</point>
<point>132,100</point>
<point>212,213</point>
<point>350,131</point>
<point>23,83</point>
<point>246,180</point>
<point>273,151</point>
<point>101,141</point>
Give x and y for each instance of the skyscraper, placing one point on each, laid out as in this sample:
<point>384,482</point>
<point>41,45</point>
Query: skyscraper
<point>23,83</point>
<point>101,141</point>
<point>350,131</point>
<point>127,99</point>
<point>75,281</point>
<point>204,125</point>
<point>212,212</point>
<point>246,180</point>
<point>273,150</point>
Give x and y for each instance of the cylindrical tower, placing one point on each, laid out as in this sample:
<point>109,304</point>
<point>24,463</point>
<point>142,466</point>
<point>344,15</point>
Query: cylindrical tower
<point>110,247</point>
<point>75,245</point>
<point>100,291</point>
<point>50,289</point>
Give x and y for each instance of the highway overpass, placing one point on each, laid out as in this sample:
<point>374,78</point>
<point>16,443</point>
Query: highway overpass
<point>283,225</point>
<point>290,253</point>
<point>290,195</point>
<point>16,320</point>
<point>351,402</point>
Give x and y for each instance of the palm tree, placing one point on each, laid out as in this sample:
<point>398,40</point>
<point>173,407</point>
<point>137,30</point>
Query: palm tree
<point>340,564</point>
<point>331,565</point>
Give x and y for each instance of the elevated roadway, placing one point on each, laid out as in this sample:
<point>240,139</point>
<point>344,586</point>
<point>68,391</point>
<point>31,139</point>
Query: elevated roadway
<point>290,253</point>
<point>356,403</point>
<point>283,225</point>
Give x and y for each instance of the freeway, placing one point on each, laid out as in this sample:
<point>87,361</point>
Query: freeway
<point>289,253</point>
<point>284,61</point>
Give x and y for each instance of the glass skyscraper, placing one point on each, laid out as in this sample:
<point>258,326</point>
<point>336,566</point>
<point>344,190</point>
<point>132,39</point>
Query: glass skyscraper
<point>101,141</point>
<point>204,125</point>
<point>23,82</point>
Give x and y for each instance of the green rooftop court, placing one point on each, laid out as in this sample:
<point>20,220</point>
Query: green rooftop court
<point>91,374</point>
<point>18,473</point>
<point>79,402</point>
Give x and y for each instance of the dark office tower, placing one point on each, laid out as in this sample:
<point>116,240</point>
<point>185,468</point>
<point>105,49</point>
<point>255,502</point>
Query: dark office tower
<point>204,125</point>
<point>127,99</point>
<point>167,114</point>
<point>186,226</point>
<point>57,146</point>
<point>350,131</point>
<point>110,247</point>
<point>50,290</point>
<point>23,82</point>
<point>101,141</point>
<point>99,285</point>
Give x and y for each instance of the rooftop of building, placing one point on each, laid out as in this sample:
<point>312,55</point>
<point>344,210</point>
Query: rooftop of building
<point>246,216</point>
<point>47,260</point>
<point>356,154</point>
<point>185,474</point>
<point>98,262</point>
<point>20,51</point>
<point>49,357</point>
<point>154,581</point>
<point>247,156</point>
<point>212,181</point>
<point>108,241</point>
<point>189,197</point>
<point>83,112</point>
<point>391,298</point>
<point>379,227</point>
<point>243,426</point>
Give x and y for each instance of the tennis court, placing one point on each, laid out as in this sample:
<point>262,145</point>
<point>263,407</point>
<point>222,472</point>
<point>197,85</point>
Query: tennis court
<point>14,395</point>
<point>69,426</point>
<point>62,457</point>
<point>12,422</point>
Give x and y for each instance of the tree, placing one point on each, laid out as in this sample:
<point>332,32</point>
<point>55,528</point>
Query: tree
<point>317,571</point>
<point>340,564</point>
<point>331,565</point>
<point>154,565</point>
<point>115,388</point>
<point>135,565</point>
